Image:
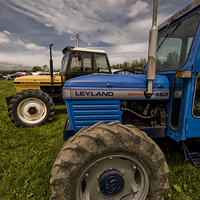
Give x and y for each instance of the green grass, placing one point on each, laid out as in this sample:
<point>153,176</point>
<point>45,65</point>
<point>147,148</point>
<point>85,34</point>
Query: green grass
<point>27,156</point>
<point>184,179</point>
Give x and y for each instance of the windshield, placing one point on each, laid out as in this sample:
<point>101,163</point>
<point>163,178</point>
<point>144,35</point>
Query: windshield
<point>64,62</point>
<point>100,63</point>
<point>174,44</point>
<point>81,62</point>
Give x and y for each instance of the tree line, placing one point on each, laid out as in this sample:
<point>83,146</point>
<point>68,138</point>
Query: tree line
<point>34,69</point>
<point>141,63</point>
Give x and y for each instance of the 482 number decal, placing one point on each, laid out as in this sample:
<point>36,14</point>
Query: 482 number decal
<point>162,94</point>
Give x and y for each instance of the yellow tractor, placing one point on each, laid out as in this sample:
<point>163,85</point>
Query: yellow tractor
<point>37,95</point>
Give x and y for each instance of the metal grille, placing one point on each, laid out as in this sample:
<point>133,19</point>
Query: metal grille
<point>87,113</point>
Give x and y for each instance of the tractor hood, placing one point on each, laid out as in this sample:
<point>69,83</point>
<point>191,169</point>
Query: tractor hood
<point>36,82</point>
<point>117,81</point>
<point>36,79</point>
<point>115,86</point>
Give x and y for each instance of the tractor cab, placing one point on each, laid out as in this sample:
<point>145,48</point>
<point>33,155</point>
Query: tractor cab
<point>178,57</point>
<point>83,61</point>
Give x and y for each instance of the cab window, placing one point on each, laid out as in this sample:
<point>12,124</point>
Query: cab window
<point>81,62</point>
<point>64,62</point>
<point>175,42</point>
<point>100,63</point>
<point>196,102</point>
<point>176,104</point>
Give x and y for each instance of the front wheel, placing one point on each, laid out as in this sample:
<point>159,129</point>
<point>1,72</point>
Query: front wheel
<point>31,108</point>
<point>111,162</point>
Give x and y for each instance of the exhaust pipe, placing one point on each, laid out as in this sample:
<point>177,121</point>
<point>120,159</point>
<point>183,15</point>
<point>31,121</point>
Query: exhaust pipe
<point>51,64</point>
<point>77,39</point>
<point>151,67</point>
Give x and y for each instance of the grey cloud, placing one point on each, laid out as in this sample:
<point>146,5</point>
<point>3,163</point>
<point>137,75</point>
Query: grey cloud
<point>108,24</point>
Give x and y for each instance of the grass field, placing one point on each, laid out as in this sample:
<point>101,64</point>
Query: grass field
<point>27,156</point>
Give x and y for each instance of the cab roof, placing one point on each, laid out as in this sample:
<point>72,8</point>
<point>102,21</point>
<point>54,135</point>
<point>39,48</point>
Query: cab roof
<point>71,48</point>
<point>180,13</point>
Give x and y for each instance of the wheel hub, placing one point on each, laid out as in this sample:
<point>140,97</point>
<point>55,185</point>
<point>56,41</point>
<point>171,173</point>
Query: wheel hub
<point>32,110</point>
<point>111,182</point>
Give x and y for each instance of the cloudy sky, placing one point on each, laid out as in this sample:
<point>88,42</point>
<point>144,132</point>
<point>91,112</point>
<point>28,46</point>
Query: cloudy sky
<point>120,27</point>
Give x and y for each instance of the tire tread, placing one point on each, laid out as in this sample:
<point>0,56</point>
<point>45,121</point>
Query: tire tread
<point>90,143</point>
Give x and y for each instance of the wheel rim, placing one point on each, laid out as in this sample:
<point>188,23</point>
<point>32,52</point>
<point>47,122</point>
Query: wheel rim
<point>113,177</point>
<point>31,110</point>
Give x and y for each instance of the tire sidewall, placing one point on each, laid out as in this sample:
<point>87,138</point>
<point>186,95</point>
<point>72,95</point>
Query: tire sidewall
<point>36,94</point>
<point>135,154</point>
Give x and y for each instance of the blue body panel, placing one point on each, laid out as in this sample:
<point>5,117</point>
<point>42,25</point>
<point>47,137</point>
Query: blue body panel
<point>114,87</point>
<point>95,98</point>
<point>87,113</point>
<point>116,81</point>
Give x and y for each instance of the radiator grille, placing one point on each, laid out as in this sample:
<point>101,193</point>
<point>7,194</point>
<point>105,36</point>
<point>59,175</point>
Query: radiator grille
<point>87,113</point>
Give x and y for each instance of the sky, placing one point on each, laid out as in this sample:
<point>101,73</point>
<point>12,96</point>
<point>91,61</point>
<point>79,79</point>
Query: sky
<point>119,27</point>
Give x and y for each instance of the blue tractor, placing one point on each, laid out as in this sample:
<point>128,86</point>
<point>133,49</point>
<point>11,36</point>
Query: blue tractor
<point>109,152</point>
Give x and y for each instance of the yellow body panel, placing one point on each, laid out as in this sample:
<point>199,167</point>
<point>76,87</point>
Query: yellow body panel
<point>24,87</point>
<point>34,82</point>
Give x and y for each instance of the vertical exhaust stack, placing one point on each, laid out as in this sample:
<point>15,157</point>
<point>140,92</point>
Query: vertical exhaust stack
<point>151,68</point>
<point>51,64</point>
<point>77,39</point>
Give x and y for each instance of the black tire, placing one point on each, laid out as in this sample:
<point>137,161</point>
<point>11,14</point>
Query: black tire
<point>30,108</point>
<point>95,154</point>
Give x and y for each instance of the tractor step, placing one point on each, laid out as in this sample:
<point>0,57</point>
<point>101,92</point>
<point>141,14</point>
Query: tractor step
<point>193,158</point>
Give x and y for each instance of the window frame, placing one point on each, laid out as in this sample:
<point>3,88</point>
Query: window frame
<point>194,95</point>
<point>180,21</point>
<point>180,112</point>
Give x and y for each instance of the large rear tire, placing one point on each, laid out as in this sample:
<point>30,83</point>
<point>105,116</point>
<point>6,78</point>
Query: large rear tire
<point>111,162</point>
<point>30,108</point>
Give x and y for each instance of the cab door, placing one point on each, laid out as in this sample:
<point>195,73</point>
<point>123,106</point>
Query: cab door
<point>184,110</point>
<point>176,110</point>
<point>193,118</point>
